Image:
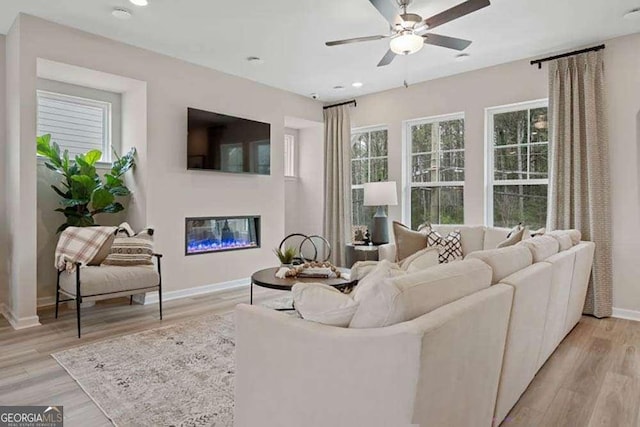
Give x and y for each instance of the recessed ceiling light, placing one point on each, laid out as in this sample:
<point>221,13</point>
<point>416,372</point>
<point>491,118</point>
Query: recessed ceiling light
<point>338,87</point>
<point>255,60</point>
<point>462,57</point>
<point>356,84</point>
<point>121,13</point>
<point>139,2</point>
<point>633,14</point>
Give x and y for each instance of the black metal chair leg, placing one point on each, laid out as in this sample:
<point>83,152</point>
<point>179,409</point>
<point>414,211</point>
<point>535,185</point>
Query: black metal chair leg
<point>131,300</point>
<point>78,297</point>
<point>57,293</point>
<point>158,257</point>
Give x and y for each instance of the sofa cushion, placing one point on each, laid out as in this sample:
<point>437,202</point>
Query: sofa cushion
<point>407,296</point>
<point>576,236</point>
<point>504,261</point>
<point>541,247</point>
<point>515,237</point>
<point>408,241</point>
<point>107,279</point>
<point>323,304</point>
<point>472,236</point>
<point>563,237</point>
<point>425,258</point>
<point>493,236</point>
<point>449,246</point>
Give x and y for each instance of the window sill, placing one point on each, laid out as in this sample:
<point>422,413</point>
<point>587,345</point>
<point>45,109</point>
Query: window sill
<point>99,165</point>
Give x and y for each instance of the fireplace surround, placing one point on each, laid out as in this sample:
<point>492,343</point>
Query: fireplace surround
<point>221,233</point>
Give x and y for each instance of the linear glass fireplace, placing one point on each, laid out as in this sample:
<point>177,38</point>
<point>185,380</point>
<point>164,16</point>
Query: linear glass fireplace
<point>217,234</point>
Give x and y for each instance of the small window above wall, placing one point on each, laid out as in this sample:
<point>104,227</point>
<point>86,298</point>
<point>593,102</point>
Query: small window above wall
<point>290,170</point>
<point>76,124</point>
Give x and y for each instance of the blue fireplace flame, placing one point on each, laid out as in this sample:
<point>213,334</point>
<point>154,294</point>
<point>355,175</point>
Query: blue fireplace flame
<point>221,234</point>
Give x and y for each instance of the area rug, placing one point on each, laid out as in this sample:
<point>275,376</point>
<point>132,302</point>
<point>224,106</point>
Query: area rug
<point>178,375</point>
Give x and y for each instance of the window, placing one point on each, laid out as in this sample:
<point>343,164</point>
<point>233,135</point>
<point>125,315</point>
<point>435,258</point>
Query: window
<point>518,165</point>
<point>435,149</point>
<point>289,156</point>
<point>76,124</point>
<point>369,163</point>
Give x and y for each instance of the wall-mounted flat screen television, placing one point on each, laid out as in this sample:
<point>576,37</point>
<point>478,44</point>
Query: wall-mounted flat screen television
<point>228,144</point>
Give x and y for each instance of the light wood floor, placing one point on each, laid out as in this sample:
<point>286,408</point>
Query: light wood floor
<point>593,378</point>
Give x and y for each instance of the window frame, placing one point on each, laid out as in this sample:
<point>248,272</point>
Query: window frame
<point>369,130</point>
<point>490,181</point>
<point>408,155</point>
<point>107,112</point>
<point>290,155</point>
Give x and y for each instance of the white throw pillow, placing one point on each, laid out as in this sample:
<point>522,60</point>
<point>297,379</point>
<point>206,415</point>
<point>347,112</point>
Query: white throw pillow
<point>361,268</point>
<point>323,304</point>
<point>425,258</point>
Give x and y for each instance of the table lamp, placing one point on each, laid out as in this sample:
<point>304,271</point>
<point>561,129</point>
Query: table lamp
<point>380,194</point>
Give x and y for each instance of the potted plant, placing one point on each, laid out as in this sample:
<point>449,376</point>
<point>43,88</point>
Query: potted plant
<point>287,256</point>
<point>84,193</point>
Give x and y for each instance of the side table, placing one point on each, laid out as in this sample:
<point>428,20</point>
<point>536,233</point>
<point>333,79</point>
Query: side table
<point>355,253</point>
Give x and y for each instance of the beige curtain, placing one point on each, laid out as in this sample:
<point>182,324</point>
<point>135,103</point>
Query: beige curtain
<point>337,190</point>
<point>580,165</point>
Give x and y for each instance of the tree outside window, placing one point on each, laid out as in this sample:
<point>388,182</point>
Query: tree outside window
<point>519,176</point>
<point>436,156</point>
<point>369,163</point>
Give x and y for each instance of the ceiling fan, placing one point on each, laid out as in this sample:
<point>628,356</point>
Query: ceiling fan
<point>409,32</point>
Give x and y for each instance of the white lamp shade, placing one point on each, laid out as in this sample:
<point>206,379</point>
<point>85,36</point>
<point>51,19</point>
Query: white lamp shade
<point>406,44</point>
<point>380,194</point>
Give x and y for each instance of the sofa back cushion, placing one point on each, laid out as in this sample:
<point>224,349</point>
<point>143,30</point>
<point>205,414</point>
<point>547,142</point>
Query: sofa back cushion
<point>504,261</point>
<point>471,236</point>
<point>493,236</point>
<point>564,239</point>
<point>541,247</point>
<point>407,296</point>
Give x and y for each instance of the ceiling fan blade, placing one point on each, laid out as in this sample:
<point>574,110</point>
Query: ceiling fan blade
<point>456,12</point>
<point>387,58</point>
<point>355,40</point>
<point>445,41</point>
<point>386,9</point>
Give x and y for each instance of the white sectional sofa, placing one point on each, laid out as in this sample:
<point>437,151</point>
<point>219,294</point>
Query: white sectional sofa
<point>500,314</point>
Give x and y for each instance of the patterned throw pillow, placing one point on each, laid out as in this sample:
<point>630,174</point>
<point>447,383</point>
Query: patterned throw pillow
<point>449,246</point>
<point>129,250</point>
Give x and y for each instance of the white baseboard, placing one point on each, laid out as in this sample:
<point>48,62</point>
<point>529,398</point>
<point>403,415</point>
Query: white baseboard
<point>623,313</point>
<point>18,322</point>
<point>152,297</point>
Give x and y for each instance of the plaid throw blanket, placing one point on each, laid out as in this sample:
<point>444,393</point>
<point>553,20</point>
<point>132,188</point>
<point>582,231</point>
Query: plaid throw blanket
<point>80,244</point>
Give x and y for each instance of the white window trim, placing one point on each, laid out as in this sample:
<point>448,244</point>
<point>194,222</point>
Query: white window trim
<point>106,108</point>
<point>407,157</point>
<point>490,112</point>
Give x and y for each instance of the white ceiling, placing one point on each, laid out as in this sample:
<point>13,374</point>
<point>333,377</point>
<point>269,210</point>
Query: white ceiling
<point>290,34</point>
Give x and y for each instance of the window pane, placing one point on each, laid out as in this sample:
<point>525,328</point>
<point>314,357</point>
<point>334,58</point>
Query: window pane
<point>362,215</point>
<point>437,205</point>
<point>452,135</point>
<point>378,144</point>
<point>359,171</point>
<point>510,128</point>
<point>538,162</point>
<point>422,166</point>
<point>539,125</point>
<point>421,138</point>
<point>513,204</point>
<point>510,163</point>
<point>378,170</point>
<point>452,166</point>
<point>359,145</point>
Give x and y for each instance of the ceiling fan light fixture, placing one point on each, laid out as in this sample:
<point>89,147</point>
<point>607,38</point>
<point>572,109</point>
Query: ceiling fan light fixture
<point>406,44</point>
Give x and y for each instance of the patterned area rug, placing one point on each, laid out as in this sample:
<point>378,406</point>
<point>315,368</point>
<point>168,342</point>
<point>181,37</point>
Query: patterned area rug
<point>178,375</point>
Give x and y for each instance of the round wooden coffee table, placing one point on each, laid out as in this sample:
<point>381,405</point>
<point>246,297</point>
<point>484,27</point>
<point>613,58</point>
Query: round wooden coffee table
<point>267,279</point>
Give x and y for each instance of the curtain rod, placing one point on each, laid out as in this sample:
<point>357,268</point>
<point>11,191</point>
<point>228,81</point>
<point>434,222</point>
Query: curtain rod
<point>564,55</point>
<point>353,101</point>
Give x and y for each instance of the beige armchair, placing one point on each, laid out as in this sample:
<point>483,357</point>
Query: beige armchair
<point>93,283</point>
